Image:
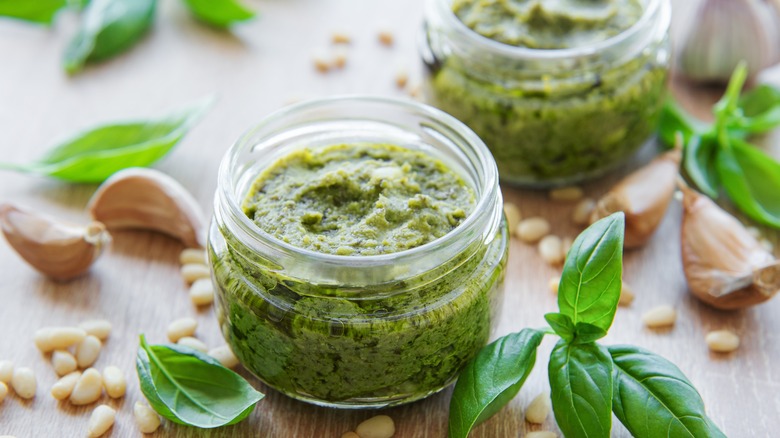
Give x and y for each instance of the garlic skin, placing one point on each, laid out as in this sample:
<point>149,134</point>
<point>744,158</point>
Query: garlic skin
<point>140,198</point>
<point>724,264</point>
<point>57,250</point>
<point>643,196</point>
<point>727,32</point>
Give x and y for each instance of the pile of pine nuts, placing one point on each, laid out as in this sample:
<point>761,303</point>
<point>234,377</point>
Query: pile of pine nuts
<point>380,426</point>
<point>196,273</point>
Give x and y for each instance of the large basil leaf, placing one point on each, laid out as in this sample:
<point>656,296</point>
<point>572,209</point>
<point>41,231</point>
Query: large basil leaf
<point>592,276</point>
<point>699,164</point>
<point>108,27</point>
<point>38,11</point>
<point>581,389</point>
<point>192,388</point>
<point>653,398</point>
<point>219,13</point>
<point>491,380</point>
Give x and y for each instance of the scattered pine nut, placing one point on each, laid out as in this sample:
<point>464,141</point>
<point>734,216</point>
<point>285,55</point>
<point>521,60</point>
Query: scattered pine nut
<point>101,420</point>
<point>99,328</point>
<point>202,292</point>
<point>386,38</point>
<point>63,388</point>
<point>340,59</point>
<point>145,417</point>
<point>566,194</point>
<point>194,271</point>
<point>401,78</point>
<point>87,351</point>
<point>88,388</point>
<point>193,256</point>
<point>4,392</point>
<point>554,284</point>
<point>194,343</point>
<point>350,435</point>
<point>541,434</point>
<point>225,356</point>
<point>114,382</point>
<point>321,63</point>
<point>513,216</point>
<point>661,316</point>
<point>582,211</point>
<point>539,408</point>
<point>722,341</point>
<point>415,91</point>
<point>626,295</point>
<point>23,382</point>
<point>6,371</point>
<point>380,426</point>
<point>340,38</point>
<point>58,338</point>
<point>533,229</point>
<point>550,249</point>
<point>63,362</point>
<point>180,328</point>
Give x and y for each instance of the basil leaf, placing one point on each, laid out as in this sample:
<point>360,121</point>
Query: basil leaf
<point>37,11</point>
<point>653,398</point>
<point>219,13</point>
<point>581,389</point>
<point>585,333</point>
<point>592,275</point>
<point>108,27</point>
<point>728,104</point>
<point>752,180</point>
<point>561,325</point>
<point>699,164</point>
<point>492,379</point>
<point>98,153</point>
<point>192,388</point>
<point>760,109</point>
<point>674,119</point>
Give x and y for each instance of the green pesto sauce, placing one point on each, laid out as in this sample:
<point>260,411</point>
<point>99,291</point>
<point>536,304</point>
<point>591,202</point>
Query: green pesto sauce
<point>548,24</point>
<point>358,199</point>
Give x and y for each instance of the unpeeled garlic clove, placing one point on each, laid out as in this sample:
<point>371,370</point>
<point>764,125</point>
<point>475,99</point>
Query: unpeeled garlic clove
<point>60,251</point>
<point>643,196</point>
<point>139,198</point>
<point>724,264</point>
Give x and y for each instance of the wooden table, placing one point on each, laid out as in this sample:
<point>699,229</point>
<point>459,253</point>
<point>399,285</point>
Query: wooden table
<point>255,70</point>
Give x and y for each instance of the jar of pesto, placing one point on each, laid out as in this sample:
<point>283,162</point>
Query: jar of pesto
<point>560,90</point>
<point>358,247</point>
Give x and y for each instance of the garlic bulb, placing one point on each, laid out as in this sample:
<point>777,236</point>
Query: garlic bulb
<point>724,264</point>
<point>726,32</point>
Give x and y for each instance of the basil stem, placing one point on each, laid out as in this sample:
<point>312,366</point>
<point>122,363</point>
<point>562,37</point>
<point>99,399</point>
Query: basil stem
<point>219,13</point>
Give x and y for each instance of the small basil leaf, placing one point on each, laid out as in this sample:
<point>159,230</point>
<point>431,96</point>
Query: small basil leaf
<point>653,398</point>
<point>108,27</point>
<point>561,324</point>
<point>760,109</point>
<point>492,379</point>
<point>585,333</point>
<point>581,389</point>
<point>219,13</point>
<point>751,179</point>
<point>674,119</point>
<point>592,275</point>
<point>37,11</point>
<point>699,164</point>
<point>192,388</point>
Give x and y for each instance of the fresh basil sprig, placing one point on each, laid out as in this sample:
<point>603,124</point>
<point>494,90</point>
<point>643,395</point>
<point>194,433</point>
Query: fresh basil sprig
<point>192,388</point>
<point>95,155</point>
<point>37,11</point>
<point>588,381</point>
<point>718,155</point>
<point>219,13</point>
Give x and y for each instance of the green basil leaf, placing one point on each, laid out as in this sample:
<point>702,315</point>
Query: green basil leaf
<point>699,164</point>
<point>674,119</point>
<point>492,379</point>
<point>752,180</point>
<point>581,389</point>
<point>37,11</point>
<point>585,333</point>
<point>760,109</point>
<point>592,275</point>
<point>98,153</point>
<point>561,325</point>
<point>192,388</point>
<point>653,398</point>
<point>108,27</point>
<point>219,13</point>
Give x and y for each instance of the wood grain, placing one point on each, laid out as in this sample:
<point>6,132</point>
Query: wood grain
<point>254,71</point>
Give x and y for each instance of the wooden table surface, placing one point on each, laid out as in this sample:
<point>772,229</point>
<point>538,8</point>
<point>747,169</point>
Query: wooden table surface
<point>253,71</point>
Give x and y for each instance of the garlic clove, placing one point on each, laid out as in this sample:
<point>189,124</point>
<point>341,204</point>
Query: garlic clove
<point>139,198</point>
<point>643,196</point>
<point>60,251</point>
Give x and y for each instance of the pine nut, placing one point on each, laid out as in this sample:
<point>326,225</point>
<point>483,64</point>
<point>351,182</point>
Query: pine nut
<point>88,351</point>
<point>145,417</point>
<point>661,316</point>
<point>99,328</point>
<point>3,391</point>
<point>566,194</point>
<point>513,216</point>
<point>554,284</point>
<point>88,388</point>
<point>194,271</point>
<point>350,435</point>
<point>180,328</point>
<point>101,420</point>
<point>539,408</point>
<point>194,343</point>
<point>582,211</point>
<point>340,38</point>
<point>626,295</point>
<point>541,434</point>
<point>58,338</point>
<point>415,91</point>
<point>532,229</point>
<point>6,370</point>
<point>64,387</point>
<point>63,362</point>
<point>550,249</point>
<point>193,256</point>
<point>386,38</point>
<point>380,426</point>
<point>114,382</point>
<point>225,356</point>
<point>401,78</point>
<point>23,382</point>
<point>722,341</point>
<point>340,59</point>
<point>321,63</point>
<point>202,292</point>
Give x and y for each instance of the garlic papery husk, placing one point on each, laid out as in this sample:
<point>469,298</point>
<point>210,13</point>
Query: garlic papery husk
<point>724,264</point>
<point>643,196</point>
<point>60,251</point>
<point>139,198</point>
<point>726,32</point>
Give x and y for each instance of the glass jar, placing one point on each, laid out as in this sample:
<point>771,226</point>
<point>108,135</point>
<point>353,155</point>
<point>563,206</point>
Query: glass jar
<point>358,331</point>
<point>557,116</point>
